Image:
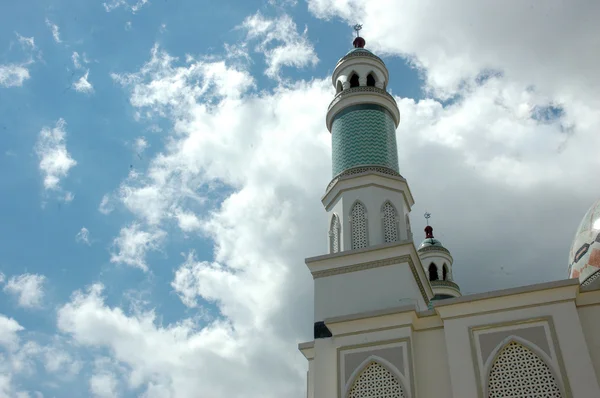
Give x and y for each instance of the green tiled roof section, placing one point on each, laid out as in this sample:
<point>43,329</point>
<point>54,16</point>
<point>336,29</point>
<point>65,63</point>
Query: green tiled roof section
<point>363,135</point>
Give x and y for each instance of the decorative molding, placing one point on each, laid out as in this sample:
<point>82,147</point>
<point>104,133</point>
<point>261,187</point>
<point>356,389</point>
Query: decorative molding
<point>376,264</point>
<point>360,53</point>
<point>361,170</point>
<point>445,284</point>
<point>434,248</point>
<point>361,266</point>
<point>591,278</point>
<point>360,89</point>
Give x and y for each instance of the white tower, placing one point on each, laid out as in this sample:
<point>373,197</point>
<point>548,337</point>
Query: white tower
<point>437,261</point>
<point>372,266</point>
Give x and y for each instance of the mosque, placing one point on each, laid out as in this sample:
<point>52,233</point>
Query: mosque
<point>390,321</point>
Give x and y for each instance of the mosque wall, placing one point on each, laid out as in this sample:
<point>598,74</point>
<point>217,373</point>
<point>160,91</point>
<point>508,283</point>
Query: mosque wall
<point>431,364</point>
<point>588,307</point>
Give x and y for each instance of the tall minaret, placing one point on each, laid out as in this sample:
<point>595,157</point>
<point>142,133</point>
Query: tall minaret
<point>371,263</point>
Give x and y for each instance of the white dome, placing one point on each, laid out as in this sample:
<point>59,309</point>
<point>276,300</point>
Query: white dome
<point>584,257</point>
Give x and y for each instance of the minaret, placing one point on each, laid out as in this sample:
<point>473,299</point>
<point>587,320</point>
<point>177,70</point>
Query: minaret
<point>437,261</point>
<point>372,263</point>
<point>371,266</point>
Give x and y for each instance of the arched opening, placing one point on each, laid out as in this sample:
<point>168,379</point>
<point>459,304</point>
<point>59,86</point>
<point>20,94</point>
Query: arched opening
<point>370,80</point>
<point>339,87</point>
<point>376,381</point>
<point>354,80</point>
<point>519,372</point>
<point>445,272</point>
<point>433,272</point>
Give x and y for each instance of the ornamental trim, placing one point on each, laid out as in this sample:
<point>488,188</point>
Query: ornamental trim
<point>376,264</point>
<point>433,248</point>
<point>591,278</point>
<point>362,169</point>
<point>359,53</point>
<point>360,89</point>
<point>445,284</point>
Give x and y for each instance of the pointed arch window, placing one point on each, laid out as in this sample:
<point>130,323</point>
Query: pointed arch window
<point>334,234</point>
<point>445,272</point>
<point>358,216</point>
<point>390,222</point>
<point>519,372</point>
<point>370,80</point>
<point>354,80</point>
<point>433,272</point>
<point>339,87</point>
<point>376,381</point>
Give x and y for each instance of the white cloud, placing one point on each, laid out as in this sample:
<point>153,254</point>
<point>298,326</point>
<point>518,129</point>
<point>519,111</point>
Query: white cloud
<point>130,6</point>
<point>191,360</point>
<point>57,359</point>
<point>457,41</point>
<point>69,196</point>
<point>13,75</point>
<point>83,236</point>
<point>128,25</point>
<point>55,31</point>
<point>132,244</point>
<point>293,49</point>
<point>140,144</point>
<point>55,160</point>
<point>2,277</point>
<point>28,288</point>
<point>26,42</point>
<point>103,385</point>
<point>105,206</point>
<point>76,60</point>
<point>83,85</point>
<point>9,329</point>
<point>188,221</point>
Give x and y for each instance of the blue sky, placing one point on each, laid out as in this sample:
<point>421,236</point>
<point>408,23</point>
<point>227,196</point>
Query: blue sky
<point>154,199</point>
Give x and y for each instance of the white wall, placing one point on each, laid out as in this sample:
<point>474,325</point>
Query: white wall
<point>366,290</point>
<point>431,364</point>
<point>590,323</point>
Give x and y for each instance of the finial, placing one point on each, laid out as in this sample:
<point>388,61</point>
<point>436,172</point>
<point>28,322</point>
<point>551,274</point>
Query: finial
<point>428,228</point>
<point>359,42</point>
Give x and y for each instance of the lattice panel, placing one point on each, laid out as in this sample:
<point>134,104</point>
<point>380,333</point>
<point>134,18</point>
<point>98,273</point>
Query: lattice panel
<point>359,226</point>
<point>390,226</point>
<point>519,373</point>
<point>335,234</point>
<point>376,382</point>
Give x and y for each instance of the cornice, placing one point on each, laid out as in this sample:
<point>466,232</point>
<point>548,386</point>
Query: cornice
<point>362,95</point>
<point>376,264</point>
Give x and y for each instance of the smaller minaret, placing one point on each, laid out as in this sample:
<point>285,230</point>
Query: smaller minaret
<point>437,261</point>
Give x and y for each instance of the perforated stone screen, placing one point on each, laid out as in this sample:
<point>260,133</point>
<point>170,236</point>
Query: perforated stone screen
<point>335,234</point>
<point>519,373</point>
<point>359,226</point>
<point>390,226</point>
<point>375,381</point>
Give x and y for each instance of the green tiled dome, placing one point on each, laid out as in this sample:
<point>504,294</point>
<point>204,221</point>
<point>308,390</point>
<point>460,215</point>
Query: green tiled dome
<point>363,135</point>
